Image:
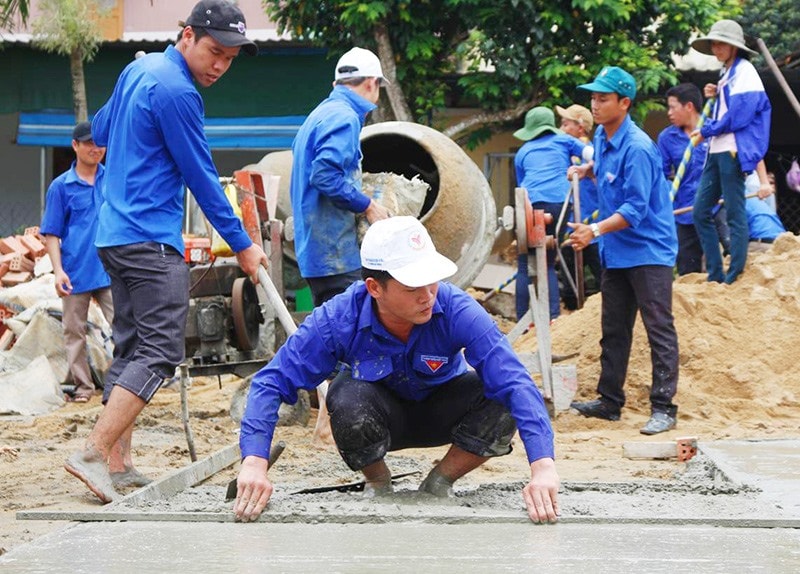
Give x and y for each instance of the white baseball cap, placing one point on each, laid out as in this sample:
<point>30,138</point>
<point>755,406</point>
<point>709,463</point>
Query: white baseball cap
<point>359,63</point>
<point>402,247</point>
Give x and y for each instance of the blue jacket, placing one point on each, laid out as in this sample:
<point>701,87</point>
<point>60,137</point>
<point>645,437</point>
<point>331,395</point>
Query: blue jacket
<point>346,329</point>
<point>762,222</point>
<point>153,128</point>
<point>70,212</point>
<point>541,165</point>
<point>631,182</point>
<point>326,185</point>
<point>672,143</point>
<point>748,113</point>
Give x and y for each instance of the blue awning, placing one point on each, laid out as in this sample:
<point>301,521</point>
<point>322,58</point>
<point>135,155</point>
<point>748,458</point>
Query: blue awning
<point>55,130</point>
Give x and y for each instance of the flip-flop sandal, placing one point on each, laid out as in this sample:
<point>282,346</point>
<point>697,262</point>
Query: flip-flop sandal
<point>80,399</point>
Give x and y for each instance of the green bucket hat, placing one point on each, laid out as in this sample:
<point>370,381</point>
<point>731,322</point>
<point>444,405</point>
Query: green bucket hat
<point>537,121</point>
<point>726,31</point>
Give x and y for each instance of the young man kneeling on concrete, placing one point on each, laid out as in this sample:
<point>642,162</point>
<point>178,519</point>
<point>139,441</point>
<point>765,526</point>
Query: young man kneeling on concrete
<point>404,381</point>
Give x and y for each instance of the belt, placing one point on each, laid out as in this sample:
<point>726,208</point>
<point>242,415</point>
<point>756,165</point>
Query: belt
<point>763,240</point>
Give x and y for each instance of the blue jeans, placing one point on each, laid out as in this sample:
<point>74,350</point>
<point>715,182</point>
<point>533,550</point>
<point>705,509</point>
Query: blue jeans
<point>523,298</point>
<point>722,177</point>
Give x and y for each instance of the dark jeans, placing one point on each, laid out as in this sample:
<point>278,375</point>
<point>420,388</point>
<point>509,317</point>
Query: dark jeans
<point>324,288</point>
<point>523,298</point>
<point>722,177</point>
<point>150,288</point>
<point>690,251</point>
<point>591,259</point>
<point>648,289</point>
<point>368,420</point>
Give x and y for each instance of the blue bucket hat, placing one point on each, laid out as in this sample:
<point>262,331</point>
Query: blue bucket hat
<point>612,80</point>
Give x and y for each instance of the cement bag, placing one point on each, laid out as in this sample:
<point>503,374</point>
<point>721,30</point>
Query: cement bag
<point>32,391</point>
<point>219,247</point>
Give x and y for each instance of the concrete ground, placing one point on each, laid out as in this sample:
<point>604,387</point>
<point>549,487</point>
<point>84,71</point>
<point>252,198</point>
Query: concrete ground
<point>630,536</point>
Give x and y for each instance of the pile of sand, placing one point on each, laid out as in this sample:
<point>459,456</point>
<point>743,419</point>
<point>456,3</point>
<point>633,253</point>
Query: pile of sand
<point>737,367</point>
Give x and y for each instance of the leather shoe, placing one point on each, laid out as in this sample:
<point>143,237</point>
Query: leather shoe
<point>659,422</point>
<point>597,408</point>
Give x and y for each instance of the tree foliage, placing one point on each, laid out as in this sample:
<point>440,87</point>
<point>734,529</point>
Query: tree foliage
<point>70,28</point>
<point>503,56</point>
<point>11,9</point>
<point>777,23</point>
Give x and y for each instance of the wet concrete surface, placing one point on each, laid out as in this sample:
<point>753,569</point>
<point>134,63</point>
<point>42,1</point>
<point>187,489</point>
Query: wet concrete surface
<point>407,547</point>
<point>701,522</point>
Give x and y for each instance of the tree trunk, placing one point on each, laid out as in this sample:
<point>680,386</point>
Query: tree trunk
<point>397,99</point>
<point>79,104</point>
<point>460,129</point>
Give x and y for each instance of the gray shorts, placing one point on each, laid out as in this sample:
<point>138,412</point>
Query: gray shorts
<point>150,287</point>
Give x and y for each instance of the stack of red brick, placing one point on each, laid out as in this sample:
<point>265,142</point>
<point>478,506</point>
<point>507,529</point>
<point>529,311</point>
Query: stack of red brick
<point>18,255</point>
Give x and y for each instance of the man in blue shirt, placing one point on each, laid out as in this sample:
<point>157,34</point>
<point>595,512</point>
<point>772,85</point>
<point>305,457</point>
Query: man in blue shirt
<point>69,225</point>
<point>577,122</point>
<point>325,188</point>
<point>403,339</point>
<point>540,165</point>
<point>684,103</point>
<point>638,249</point>
<point>153,128</point>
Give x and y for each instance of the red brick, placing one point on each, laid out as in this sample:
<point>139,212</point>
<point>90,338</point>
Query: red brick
<point>35,247</point>
<point>16,277</point>
<point>12,245</point>
<point>17,262</point>
<point>3,270</point>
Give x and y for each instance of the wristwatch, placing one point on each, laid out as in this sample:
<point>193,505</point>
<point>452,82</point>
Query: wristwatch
<point>595,229</point>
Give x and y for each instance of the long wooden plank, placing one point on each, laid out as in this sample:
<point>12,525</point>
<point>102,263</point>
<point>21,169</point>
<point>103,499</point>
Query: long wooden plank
<point>380,518</point>
<point>182,479</point>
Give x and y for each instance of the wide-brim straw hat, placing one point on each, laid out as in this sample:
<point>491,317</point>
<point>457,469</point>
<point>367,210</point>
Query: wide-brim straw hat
<point>726,31</point>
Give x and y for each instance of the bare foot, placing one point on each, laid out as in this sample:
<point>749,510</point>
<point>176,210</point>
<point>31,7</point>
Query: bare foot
<point>89,468</point>
<point>377,488</point>
<point>437,485</point>
<point>323,436</point>
<point>128,478</point>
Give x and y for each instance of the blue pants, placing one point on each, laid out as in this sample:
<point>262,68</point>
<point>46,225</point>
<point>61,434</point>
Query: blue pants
<point>523,298</point>
<point>722,177</point>
<point>150,288</point>
<point>648,290</point>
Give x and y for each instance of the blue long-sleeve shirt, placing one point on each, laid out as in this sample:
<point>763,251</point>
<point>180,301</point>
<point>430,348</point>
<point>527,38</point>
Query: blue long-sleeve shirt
<point>762,222</point>
<point>541,165</point>
<point>326,185</point>
<point>747,113</point>
<point>153,128</point>
<point>346,329</point>
<point>631,182</point>
<point>672,143</point>
<point>70,213</point>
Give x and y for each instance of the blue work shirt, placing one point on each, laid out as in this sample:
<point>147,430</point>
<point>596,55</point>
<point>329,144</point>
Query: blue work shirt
<point>326,185</point>
<point>346,329</point>
<point>153,128</point>
<point>672,143</point>
<point>762,222</point>
<point>541,165</point>
<point>631,182</point>
<point>70,213</point>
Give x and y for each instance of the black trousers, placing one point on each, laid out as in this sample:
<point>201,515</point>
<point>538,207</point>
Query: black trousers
<point>368,419</point>
<point>647,289</point>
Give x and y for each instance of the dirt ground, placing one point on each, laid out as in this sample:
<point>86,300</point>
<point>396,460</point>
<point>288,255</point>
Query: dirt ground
<point>738,380</point>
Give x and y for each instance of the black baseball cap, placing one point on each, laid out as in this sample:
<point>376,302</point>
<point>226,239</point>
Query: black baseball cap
<point>82,132</point>
<point>224,22</point>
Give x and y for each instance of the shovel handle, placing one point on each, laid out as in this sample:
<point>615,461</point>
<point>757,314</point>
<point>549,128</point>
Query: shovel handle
<point>275,299</point>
